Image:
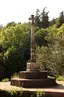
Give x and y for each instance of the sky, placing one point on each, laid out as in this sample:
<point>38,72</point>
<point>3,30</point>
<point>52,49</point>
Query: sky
<point>21,10</point>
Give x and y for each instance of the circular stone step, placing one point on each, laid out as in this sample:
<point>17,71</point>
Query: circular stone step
<point>33,74</point>
<point>33,83</point>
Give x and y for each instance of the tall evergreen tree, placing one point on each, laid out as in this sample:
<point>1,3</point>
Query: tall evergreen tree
<point>61,18</point>
<point>44,19</point>
<point>52,22</point>
<point>37,18</point>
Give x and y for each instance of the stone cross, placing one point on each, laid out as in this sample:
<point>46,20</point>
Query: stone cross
<point>31,64</point>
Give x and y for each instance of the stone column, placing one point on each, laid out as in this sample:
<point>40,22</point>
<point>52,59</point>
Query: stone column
<point>32,45</point>
<point>31,64</point>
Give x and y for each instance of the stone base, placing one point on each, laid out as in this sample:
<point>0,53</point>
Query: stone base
<point>33,83</point>
<point>33,74</point>
<point>32,66</point>
<point>33,79</point>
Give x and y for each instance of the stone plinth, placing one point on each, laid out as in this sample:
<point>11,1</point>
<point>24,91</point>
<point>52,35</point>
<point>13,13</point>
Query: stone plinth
<point>33,79</point>
<point>33,74</point>
<point>33,83</point>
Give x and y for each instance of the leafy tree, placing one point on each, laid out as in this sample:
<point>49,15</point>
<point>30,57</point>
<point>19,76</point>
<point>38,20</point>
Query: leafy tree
<point>11,24</point>
<point>40,37</point>
<point>51,57</point>
<point>15,43</point>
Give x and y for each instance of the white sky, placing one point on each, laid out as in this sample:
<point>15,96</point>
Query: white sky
<point>20,10</point>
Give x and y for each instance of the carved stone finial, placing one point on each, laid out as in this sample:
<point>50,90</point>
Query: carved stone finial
<point>32,18</point>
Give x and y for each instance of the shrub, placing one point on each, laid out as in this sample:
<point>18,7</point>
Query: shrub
<point>60,78</point>
<point>5,80</point>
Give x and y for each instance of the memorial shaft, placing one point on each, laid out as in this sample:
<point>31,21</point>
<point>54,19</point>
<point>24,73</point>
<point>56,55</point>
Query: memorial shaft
<point>32,48</point>
<point>31,64</point>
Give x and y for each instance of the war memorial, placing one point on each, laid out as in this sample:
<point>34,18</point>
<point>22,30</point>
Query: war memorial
<point>33,77</point>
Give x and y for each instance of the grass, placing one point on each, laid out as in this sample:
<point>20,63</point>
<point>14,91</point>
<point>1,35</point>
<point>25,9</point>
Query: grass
<point>5,80</point>
<point>60,78</point>
<point>15,75</point>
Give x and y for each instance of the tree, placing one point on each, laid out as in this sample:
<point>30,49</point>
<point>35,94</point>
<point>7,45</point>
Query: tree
<point>42,19</point>
<point>11,24</point>
<point>15,42</point>
<point>40,37</point>
<point>37,18</point>
<point>51,57</point>
<point>61,18</point>
<point>52,22</point>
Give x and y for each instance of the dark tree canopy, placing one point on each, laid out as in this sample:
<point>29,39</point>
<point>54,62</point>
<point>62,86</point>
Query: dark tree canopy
<point>42,19</point>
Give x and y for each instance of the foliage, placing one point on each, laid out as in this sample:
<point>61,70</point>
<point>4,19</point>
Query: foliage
<point>40,93</point>
<point>60,78</point>
<point>58,21</point>
<point>5,80</point>
<point>42,19</point>
<point>40,37</point>
<point>37,18</point>
<point>21,93</point>
<point>51,57</point>
<point>11,24</point>
<point>61,18</point>
<point>15,47</point>
<point>52,22</point>
<point>15,75</point>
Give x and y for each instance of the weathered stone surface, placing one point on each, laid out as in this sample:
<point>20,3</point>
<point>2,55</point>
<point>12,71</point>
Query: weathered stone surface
<point>33,83</point>
<point>33,74</point>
